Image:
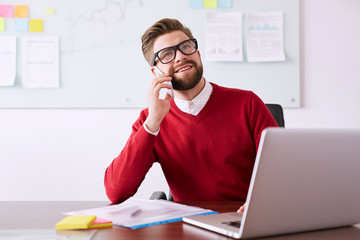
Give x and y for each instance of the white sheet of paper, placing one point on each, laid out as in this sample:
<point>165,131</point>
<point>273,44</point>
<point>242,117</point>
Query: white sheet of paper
<point>265,37</point>
<point>137,213</point>
<point>40,62</point>
<point>224,36</point>
<point>7,60</point>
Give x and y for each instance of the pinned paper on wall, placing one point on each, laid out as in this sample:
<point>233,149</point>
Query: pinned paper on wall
<point>2,24</point>
<point>21,25</point>
<point>50,11</point>
<point>21,11</point>
<point>40,62</point>
<point>36,25</point>
<point>6,11</point>
<point>224,36</point>
<point>7,60</point>
<point>265,37</point>
<point>210,4</point>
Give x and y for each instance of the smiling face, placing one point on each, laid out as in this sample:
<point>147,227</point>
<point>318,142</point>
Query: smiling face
<point>186,70</point>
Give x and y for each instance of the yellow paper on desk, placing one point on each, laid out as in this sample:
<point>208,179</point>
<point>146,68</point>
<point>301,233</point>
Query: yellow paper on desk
<point>75,222</point>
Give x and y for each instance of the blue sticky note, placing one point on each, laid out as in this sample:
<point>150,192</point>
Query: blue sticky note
<point>21,25</point>
<point>224,3</point>
<point>196,3</point>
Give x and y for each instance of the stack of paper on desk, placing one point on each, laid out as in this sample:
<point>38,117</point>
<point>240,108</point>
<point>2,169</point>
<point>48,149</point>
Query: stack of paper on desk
<point>136,213</point>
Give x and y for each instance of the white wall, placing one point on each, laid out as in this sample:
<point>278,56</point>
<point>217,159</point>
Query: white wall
<point>62,154</point>
<point>48,154</point>
<point>330,65</point>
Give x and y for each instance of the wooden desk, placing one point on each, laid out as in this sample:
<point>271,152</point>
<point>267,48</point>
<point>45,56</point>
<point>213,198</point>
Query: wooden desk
<point>44,215</point>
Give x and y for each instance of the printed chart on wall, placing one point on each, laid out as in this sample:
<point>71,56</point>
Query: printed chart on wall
<point>87,54</point>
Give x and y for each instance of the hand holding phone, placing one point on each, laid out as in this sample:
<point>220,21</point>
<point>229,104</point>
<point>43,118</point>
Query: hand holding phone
<point>164,91</point>
<point>158,101</point>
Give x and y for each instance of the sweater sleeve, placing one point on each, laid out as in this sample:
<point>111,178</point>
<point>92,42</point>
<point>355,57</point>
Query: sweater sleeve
<point>260,118</point>
<point>126,172</point>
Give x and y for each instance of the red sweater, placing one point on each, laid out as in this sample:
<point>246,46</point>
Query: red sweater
<point>205,157</point>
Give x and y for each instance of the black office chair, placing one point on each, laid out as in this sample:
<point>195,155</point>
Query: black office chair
<point>161,195</point>
<point>278,114</point>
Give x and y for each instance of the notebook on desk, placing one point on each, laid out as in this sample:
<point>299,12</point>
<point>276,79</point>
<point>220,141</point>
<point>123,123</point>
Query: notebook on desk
<point>303,179</point>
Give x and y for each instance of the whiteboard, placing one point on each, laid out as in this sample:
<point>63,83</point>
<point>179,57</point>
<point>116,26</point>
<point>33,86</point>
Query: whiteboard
<point>102,66</point>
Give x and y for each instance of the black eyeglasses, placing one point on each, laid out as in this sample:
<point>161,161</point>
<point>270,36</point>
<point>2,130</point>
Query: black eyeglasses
<point>167,55</point>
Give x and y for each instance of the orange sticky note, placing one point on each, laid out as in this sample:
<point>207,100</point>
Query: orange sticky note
<point>210,3</point>
<point>36,25</point>
<point>21,11</point>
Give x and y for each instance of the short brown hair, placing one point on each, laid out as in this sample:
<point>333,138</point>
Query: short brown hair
<point>159,28</point>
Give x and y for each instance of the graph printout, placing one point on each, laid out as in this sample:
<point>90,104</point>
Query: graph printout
<point>265,37</point>
<point>40,62</point>
<point>224,36</point>
<point>7,60</point>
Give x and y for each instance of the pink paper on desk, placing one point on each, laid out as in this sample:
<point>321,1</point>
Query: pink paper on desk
<point>100,223</point>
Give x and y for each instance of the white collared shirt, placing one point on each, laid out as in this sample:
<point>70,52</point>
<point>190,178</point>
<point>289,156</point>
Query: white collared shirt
<point>193,106</point>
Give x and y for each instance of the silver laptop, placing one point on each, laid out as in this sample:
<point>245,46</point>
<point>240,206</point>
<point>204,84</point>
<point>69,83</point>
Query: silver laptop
<point>303,179</point>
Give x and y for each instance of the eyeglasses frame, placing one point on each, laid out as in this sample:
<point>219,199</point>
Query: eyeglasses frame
<point>176,47</point>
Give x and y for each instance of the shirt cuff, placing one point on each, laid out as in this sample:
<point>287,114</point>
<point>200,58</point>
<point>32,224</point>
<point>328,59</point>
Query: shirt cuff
<point>153,133</point>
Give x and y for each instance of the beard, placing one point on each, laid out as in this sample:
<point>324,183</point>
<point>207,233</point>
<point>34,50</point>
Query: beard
<point>189,81</point>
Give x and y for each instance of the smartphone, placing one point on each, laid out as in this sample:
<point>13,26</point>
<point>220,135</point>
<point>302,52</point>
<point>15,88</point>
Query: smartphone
<point>164,91</point>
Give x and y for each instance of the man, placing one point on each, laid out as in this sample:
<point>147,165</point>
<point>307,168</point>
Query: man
<point>205,138</point>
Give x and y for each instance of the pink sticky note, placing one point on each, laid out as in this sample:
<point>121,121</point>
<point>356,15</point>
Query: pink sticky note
<point>6,11</point>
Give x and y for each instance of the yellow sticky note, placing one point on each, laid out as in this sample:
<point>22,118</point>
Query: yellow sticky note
<point>210,3</point>
<point>21,11</point>
<point>36,25</point>
<point>75,222</point>
<point>50,11</point>
<point>2,24</point>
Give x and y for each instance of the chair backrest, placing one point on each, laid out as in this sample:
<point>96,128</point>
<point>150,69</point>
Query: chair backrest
<point>277,112</point>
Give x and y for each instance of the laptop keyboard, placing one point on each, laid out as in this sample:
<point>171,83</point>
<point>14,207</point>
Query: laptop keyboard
<point>233,223</point>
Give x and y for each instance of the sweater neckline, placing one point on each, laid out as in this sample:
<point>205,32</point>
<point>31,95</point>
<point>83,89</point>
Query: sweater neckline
<point>203,112</point>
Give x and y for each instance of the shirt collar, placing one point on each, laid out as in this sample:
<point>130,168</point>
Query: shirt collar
<point>195,105</point>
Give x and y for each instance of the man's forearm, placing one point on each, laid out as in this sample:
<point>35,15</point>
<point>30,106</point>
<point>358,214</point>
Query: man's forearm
<point>126,172</point>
